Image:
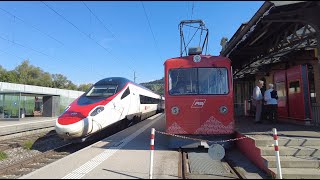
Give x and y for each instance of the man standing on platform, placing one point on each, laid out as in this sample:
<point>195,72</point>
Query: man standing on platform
<point>257,100</point>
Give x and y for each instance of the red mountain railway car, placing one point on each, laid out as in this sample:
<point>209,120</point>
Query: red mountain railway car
<point>199,98</point>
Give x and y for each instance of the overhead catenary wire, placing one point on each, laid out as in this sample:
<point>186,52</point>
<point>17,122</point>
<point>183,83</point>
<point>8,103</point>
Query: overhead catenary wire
<point>154,39</point>
<point>46,34</point>
<point>12,54</point>
<point>26,47</point>
<point>29,48</point>
<point>190,17</point>
<point>107,29</point>
<point>60,15</point>
<point>32,49</point>
<point>98,19</point>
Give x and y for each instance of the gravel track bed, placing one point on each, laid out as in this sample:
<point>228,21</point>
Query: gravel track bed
<point>40,145</point>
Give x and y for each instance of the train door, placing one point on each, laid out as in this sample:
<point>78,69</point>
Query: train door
<point>135,102</point>
<point>125,102</point>
<point>281,86</point>
<point>298,92</point>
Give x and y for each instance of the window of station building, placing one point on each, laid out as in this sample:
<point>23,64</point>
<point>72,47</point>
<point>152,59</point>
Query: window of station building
<point>281,89</point>
<point>126,93</point>
<point>282,94</point>
<point>294,87</point>
<point>193,81</point>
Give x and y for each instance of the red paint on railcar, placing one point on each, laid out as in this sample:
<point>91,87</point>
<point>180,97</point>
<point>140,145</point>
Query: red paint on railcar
<point>206,107</point>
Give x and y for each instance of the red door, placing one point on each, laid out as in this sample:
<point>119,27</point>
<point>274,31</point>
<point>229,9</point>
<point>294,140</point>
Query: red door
<point>281,86</point>
<point>298,92</point>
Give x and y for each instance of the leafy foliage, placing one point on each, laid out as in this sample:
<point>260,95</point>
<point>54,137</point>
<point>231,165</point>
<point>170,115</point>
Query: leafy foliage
<point>156,86</point>
<point>25,73</point>
<point>28,144</point>
<point>3,155</point>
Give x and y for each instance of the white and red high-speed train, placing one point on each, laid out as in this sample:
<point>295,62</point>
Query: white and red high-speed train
<point>108,101</point>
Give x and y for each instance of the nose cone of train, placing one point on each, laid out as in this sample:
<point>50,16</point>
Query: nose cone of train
<point>71,125</point>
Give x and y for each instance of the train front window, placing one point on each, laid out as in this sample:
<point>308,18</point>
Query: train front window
<point>183,81</point>
<point>102,91</point>
<point>213,81</point>
<point>193,81</point>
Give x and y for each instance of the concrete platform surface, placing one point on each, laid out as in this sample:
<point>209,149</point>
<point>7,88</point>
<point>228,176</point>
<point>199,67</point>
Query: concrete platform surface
<point>246,126</point>
<point>124,155</point>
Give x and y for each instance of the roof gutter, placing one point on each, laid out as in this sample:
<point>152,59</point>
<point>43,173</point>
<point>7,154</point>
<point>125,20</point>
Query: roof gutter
<point>235,39</point>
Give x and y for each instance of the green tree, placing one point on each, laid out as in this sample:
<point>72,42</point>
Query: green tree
<point>10,77</point>
<point>71,86</point>
<point>84,87</point>
<point>2,74</point>
<point>59,81</point>
<point>45,80</point>
<point>31,75</point>
<point>22,72</point>
<point>25,73</point>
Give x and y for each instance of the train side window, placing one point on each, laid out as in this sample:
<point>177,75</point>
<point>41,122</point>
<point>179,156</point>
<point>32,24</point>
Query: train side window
<point>126,93</point>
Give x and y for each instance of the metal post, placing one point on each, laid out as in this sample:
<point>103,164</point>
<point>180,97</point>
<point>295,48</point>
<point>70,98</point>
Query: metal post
<point>245,107</point>
<point>19,115</point>
<point>151,152</point>
<point>276,149</point>
<point>318,51</point>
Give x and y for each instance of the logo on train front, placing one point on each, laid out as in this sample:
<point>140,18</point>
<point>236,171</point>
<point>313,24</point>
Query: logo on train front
<point>198,103</point>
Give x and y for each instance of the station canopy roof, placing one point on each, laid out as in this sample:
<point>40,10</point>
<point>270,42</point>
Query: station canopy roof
<point>278,30</point>
<point>25,93</point>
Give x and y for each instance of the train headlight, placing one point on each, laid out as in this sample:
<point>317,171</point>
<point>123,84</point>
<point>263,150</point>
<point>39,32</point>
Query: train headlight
<point>97,111</point>
<point>223,110</point>
<point>175,110</point>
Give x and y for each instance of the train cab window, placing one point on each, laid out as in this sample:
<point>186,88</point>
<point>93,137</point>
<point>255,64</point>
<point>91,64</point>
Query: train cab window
<point>213,81</point>
<point>183,81</point>
<point>102,91</point>
<point>294,87</point>
<point>126,93</point>
<point>192,81</point>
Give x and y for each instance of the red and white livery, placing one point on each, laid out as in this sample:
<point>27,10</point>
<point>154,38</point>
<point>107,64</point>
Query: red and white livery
<point>108,101</point>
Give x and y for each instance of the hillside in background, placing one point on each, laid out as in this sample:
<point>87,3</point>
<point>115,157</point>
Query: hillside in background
<point>156,86</point>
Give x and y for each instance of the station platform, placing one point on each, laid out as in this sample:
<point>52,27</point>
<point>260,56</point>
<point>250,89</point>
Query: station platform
<point>299,147</point>
<point>13,126</point>
<point>123,155</point>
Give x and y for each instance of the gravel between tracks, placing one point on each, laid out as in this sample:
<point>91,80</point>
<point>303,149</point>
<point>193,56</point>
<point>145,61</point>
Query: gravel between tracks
<point>40,145</point>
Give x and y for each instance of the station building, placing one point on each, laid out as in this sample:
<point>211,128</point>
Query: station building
<point>20,101</point>
<point>279,45</point>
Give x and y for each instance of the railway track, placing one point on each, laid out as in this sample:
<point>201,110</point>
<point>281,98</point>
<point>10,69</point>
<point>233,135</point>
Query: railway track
<point>19,141</point>
<point>191,169</point>
<point>28,165</point>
